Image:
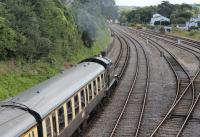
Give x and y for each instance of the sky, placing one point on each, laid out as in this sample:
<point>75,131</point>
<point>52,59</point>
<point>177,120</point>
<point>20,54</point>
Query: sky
<point>151,2</point>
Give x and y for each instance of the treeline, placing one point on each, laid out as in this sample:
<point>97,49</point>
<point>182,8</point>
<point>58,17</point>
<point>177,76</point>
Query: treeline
<point>35,29</point>
<point>177,13</point>
<point>45,29</point>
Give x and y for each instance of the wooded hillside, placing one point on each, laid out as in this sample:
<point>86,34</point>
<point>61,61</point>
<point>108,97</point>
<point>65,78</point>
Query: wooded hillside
<point>40,37</point>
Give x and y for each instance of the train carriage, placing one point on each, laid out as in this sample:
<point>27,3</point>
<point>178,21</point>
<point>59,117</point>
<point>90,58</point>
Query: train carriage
<point>58,106</point>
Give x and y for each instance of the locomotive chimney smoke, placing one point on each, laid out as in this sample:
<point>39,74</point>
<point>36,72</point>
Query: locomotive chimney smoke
<point>89,16</point>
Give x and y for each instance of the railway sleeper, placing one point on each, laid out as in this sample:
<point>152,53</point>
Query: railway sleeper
<point>184,80</point>
<point>177,116</point>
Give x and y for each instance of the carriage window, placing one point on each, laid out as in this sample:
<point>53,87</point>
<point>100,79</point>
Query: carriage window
<point>87,97</point>
<point>69,111</point>
<point>102,79</point>
<point>95,88</point>
<point>61,119</point>
<point>54,125</point>
<point>33,135</point>
<point>90,91</point>
<point>48,127</point>
<point>99,83</point>
<point>82,99</point>
<point>76,102</point>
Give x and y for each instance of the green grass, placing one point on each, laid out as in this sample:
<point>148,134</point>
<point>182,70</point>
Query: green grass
<point>193,34</point>
<point>15,79</point>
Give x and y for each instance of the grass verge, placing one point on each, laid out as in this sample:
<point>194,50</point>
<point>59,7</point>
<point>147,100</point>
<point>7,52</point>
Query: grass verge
<point>193,34</point>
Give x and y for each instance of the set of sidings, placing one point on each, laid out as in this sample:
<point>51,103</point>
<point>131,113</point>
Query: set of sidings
<point>184,82</point>
<point>117,130</point>
<point>123,98</point>
<point>179,72</point>
<point>180,92</point>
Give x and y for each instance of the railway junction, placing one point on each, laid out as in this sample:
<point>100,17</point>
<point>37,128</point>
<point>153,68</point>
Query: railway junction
<point>146,85</point>
<point>158,91</point>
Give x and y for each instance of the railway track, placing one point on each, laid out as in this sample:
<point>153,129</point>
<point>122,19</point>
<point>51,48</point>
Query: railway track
<point>115,102</point>
<point>185,105</point>
<point>116,51</point>
<point>128,112</point>
<point>122,60</point>
<point>121,50</point>
<point>172,39</point>
<point>124,125</point>
<point>195,98</point>
<point>184,40</point>
<point>176,67</point>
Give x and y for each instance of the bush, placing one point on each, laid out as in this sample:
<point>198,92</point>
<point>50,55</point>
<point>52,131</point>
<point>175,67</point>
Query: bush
<point>193,28</point>
<point>32,30</point>
<point>10,41</point>
<point>132,24</point>
<point>162,30</point>
<point>150,27</point>
<point>40,37</point>
<point>179,20</point>
<point>193,32</point>
<point>138,26</point>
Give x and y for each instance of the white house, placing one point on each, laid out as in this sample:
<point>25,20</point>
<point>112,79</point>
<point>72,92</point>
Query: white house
<point>182,26</point>
<point>191,24</point>
<point>193,21</point>
<point>158,18</point>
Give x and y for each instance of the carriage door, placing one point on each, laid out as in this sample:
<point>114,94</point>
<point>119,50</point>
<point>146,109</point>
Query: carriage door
<point>54,124</point>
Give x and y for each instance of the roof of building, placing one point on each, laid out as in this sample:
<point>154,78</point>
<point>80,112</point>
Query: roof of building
<point>158,17</point>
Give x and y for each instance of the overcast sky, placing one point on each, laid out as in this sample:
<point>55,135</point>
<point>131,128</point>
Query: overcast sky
<point>151,2</point>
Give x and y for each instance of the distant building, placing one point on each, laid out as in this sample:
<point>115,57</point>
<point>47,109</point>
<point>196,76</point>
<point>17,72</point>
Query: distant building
<point>190,24</point>
<point>168,28</point>
<point>193,22</point>
<point>196,18</point>
<point>116,21</point>
<point>182,26</point>
<point>159,19</point>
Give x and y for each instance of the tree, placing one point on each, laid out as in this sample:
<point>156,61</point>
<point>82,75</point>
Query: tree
<point>178,14</point>
<point>45,27</point>
<point>9,41</point>
<point>179,20</point>
<point>140,15</point>
<point>165,8</point>
<point>181,14</point>
<point>196,10</point>
<point>42,29</point>
<point>109,9</point>
<point>123,17</point>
